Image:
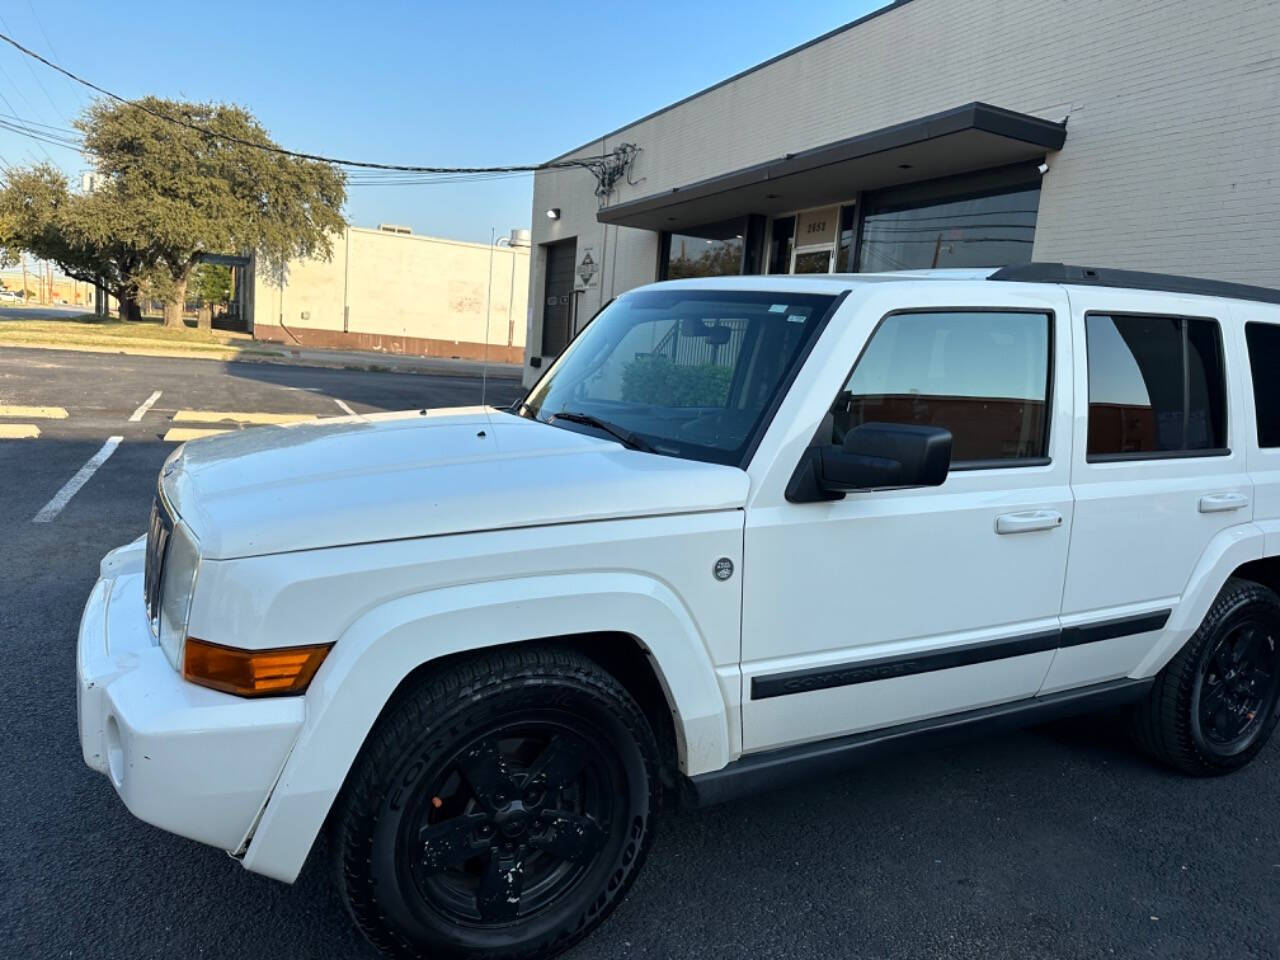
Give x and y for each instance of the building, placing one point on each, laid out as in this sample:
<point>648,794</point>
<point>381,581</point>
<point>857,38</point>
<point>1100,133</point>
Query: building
<point>393,291</point>
<point>1142,134</point>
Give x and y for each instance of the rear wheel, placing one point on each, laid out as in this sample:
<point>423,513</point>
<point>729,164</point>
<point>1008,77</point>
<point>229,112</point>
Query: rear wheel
<point>1215,705</point>
<point>501,808</point>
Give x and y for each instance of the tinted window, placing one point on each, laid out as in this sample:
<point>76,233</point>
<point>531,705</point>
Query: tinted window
<point>1264,360</point>
<point>690,372</point>
<point>714,250</point>
<point>984,376</point>
<point>1156,385</point>
<point>984,231</point>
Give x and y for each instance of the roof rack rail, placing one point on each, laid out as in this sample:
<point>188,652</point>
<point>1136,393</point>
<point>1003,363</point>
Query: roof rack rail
<point>1103,277</point>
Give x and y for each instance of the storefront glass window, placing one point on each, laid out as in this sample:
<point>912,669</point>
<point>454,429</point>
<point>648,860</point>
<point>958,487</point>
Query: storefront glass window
<point>991,230</point>
<point>714,250</point>
<point>844,256</point>
<point>782,236</point>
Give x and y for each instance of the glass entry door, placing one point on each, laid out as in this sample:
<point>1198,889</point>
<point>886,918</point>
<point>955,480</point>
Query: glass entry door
<point>812,261</point>
<point>815,242</point>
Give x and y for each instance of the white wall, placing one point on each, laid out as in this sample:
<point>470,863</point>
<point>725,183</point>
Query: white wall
<point>396,285</point>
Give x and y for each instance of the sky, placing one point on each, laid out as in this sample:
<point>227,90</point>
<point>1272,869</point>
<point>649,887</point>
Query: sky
<point>440,84</point>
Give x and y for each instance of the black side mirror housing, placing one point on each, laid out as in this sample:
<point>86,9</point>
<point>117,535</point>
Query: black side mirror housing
<point>874,456</point>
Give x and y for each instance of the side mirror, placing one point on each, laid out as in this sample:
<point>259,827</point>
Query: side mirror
<point>873,456</point>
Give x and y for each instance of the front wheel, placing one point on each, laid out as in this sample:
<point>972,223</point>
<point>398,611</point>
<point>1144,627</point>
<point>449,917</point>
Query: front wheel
<point>1216,703</point>
<point>500,808</point>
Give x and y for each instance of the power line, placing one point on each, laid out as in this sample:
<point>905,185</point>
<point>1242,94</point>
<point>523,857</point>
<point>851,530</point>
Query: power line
<point>272,148</point>
<point>36,78</point>
<point>14,87</point>
<point>76,91</point>
<point>39,136</point>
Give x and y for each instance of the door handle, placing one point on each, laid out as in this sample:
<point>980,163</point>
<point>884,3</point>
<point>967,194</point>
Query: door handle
<point>1222,502</point>
<point>1028,521</point>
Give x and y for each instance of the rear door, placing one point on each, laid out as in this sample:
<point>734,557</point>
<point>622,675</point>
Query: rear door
<point>1261,417</point>
<point>1158,469</point>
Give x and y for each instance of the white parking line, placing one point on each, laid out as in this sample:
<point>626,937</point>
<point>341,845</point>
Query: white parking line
<point>345,407</point>
<point>141,412</point>
<point>72,486</point>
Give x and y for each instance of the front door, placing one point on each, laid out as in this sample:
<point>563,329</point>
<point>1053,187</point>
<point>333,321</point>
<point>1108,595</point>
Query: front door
<point>896,605</point>
<point>815,241</point>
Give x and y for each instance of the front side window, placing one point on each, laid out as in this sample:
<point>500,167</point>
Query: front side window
<point>1156,386</point>
<point>1264,361</point>
<point>689,373</point>
<point>983,375</point>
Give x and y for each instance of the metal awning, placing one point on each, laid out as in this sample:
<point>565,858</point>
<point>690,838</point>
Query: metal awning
<point>976,136</point>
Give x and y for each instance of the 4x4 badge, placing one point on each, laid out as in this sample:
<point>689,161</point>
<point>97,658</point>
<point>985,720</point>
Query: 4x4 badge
<point>723,569</point>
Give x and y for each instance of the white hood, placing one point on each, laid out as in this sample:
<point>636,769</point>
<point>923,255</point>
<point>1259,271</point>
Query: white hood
<point>398,475</point>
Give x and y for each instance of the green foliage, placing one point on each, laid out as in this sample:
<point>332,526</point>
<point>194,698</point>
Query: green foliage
<point>212,283</point>
<point>187,191</point>
<point>169,194</point>
<point>39,214</point>
<point>655,379</point>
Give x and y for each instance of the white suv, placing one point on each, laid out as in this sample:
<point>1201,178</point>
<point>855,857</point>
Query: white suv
<point>744,531</point>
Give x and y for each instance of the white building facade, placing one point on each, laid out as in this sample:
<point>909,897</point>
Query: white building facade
<point>1142,134</point>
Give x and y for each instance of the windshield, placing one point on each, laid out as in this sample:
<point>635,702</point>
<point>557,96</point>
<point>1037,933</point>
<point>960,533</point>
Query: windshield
<point>688,373</point>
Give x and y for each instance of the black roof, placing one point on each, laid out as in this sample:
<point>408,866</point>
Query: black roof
<point>1135,279</point>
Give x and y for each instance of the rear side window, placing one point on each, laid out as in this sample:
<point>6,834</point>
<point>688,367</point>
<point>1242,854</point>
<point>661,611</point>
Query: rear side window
<point>1156,386</point>
<point>983,375</point>
<point>1264,361</point>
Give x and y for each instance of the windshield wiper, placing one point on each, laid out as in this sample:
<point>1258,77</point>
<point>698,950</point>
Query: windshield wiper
<point>625,437</point>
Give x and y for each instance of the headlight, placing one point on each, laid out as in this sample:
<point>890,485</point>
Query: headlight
<point>181,563</point>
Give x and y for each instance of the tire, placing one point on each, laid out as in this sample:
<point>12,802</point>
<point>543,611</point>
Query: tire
<point>1215,704</point>
<point>500,808</point>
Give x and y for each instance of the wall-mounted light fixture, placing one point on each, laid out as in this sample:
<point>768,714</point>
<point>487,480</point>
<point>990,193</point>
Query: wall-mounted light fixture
<point>1043,168</point>
<point>553,213</point>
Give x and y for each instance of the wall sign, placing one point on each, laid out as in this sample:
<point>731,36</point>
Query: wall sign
<point>586,276</point>
<point>817,226</point>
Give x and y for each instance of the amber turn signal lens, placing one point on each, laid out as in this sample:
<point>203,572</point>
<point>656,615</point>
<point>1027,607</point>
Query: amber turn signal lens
<point>251,673</point>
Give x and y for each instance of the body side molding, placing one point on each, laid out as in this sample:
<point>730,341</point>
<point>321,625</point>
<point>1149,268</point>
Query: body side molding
<point>885,668</point>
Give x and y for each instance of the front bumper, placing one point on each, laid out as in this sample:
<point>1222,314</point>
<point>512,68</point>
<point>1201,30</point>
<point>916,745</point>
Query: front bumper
<point>189,760</point>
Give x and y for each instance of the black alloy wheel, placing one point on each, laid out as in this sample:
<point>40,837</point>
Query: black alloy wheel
<point>500,808</point>
<point>1236,687</point>
<point>1215,704</point>
<point>511,822</point>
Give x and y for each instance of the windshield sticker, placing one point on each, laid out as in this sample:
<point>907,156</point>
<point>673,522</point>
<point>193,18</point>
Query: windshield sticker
<point>778,308</point>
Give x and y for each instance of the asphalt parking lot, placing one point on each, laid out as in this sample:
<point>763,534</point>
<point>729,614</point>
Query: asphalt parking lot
<point>1055,842</point>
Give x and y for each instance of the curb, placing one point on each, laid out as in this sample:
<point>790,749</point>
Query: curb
<point>279,358</point>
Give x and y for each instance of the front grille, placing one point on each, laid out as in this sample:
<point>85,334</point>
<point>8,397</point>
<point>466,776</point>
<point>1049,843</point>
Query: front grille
<point>158,531</point>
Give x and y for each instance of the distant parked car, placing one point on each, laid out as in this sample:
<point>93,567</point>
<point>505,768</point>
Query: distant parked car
<point>11,295</point>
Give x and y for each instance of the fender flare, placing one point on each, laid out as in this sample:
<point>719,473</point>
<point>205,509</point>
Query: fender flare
<point>390,641</point>
<point>1226,552</point>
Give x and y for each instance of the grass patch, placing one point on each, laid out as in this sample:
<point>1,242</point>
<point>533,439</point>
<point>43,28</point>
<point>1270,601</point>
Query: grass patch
<point>89,331</point>
<point>109,327</point>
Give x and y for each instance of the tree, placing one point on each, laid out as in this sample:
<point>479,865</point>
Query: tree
<point>40,215</point>
<point>213,285</point>
<point>182,192</point>
<point>170,193</point>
